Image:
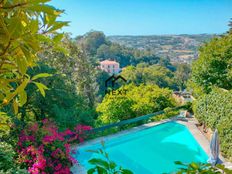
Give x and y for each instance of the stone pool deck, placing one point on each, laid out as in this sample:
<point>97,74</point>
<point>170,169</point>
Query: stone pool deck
<point>190,123</point>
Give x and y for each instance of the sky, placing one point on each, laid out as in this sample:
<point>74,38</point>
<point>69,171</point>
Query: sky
<point>146,17</point>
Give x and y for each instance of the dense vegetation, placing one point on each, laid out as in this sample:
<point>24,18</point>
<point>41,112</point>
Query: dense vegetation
<point>174,77</point>
<point>214,66</point>
<point>137,101</point>
<point>211,83</point>
<point>215,111</point>
<point>30,139</point>
<point>100,48</point>
<point>51,90</point>
<point>50,86</point>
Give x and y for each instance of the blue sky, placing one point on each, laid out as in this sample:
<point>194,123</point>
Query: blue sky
<point>146,17</point>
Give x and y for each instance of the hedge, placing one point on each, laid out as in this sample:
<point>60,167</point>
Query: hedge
<point>215,111</point>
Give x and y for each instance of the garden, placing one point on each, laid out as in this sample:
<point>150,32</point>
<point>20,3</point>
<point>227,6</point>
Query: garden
<point>52,94</point>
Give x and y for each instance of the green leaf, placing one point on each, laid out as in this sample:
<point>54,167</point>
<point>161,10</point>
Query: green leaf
<point>22,86</point>
<point>41,75</point>
<point>22,97</point>
<point>58,25</point>
<point>22,63</point>
<point>99,162</point>
<point>91,171</point>
<point>14,27</point>
<point>41,88</point>
<point>58,37</point>
<point>46,9</point>
<point>178,163</point>
<point>101,170</point>
<point>34,26</point>
<point>126,171</point>
<point>49,20</point>
<point>194,166</point>
<point>112,165</point>
<point>15,106</point>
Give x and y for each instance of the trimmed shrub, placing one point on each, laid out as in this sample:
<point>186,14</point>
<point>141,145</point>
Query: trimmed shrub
<point>215,111</point>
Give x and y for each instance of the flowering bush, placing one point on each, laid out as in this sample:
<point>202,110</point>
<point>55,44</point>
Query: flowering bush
<point>43,149</point>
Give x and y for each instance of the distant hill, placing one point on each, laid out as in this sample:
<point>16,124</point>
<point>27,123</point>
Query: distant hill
<point>179,48</point>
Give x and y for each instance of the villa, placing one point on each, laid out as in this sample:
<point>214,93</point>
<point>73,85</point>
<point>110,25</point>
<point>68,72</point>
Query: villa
<point>109,66</point>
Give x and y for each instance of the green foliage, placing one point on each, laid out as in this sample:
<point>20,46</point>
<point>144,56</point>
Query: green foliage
<point>77,66</point>
<point>7,160</point>
<point>201,168</point>
<point>215,111</point>
<point>101,77</point>
<point>213,68</point>
<point>115,109</point>
<point>61,102</point>
<point>4,124</point>
<point>230,24</point>
<point>211,78</point>
<point>103,164</point>
<point>91,41</point>
<point>63,61</point>
<point>158,75</point>
<point>189,106</point>
<point>182,74</point>
<point>155,74</point>
<point>86,79</point>
<point>137,101</point>
<point>97,45</point>
<point>168,113</point>
<point>24,26</point>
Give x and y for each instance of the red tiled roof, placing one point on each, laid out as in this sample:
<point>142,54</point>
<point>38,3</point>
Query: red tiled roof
<point>108,62</point>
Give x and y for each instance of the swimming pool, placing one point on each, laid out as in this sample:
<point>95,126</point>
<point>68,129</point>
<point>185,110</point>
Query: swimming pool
<point>150,151</point>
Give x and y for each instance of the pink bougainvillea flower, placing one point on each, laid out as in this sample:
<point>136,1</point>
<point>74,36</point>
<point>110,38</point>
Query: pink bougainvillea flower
<point>37,141</point>
<point>68,132</point>
<point>58,167</point>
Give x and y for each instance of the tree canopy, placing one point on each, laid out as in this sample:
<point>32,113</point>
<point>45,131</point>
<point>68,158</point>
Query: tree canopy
<point>213,68</point>
<point>97,45</point>
<point>137,101</point>
<point>158,75</point>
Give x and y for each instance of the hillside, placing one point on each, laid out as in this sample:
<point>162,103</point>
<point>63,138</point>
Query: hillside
<point>179,48</point>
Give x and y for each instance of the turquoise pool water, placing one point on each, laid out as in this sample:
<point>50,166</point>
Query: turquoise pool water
<point>150,151</point>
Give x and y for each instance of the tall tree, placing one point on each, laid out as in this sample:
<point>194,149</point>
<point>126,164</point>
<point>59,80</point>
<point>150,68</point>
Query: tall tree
<point>91,41</point>
<point>78,65</point>
<point>230,25</point>
<point>182,74</point>
<point>214,65</point>
<point>86,79</point>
